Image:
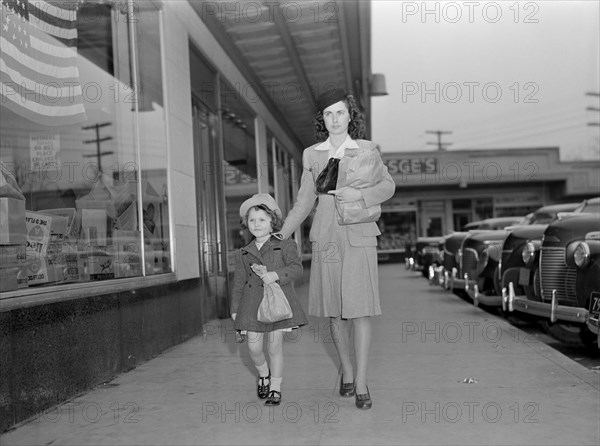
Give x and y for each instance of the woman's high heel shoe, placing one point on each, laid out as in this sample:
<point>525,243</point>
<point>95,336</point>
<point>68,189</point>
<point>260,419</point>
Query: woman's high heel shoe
<point>262,388</point>
<point>363,400</point>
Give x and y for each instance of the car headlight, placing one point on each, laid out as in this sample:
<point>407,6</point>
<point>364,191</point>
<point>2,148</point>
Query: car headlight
<point>484,258</point>
<point>495,252</point>
<point>528,253</point>
<point>581,255</point>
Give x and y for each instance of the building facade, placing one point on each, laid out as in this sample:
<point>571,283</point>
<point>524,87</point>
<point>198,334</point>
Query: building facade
<point>130,134</point>
<point>440,191</point>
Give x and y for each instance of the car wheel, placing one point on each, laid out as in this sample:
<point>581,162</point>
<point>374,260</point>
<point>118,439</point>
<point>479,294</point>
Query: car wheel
<point>511,275</point>
<point>496,281</point>
<point>590,339</point>
<point>566,333</point>
<point>534,291</point>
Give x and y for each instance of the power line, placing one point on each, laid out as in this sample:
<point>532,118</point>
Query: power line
<point>440,145</point>
<point>596,109</point>
<point>99,154</point>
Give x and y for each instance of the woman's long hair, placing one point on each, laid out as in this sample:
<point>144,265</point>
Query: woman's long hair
<point>356,127</point>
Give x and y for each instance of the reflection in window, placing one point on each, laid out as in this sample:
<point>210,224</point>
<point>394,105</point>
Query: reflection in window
<point>68,146</point>
<point>240,167</point>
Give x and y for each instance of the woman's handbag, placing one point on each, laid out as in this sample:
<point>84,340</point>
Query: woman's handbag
<point>359,169</point>
<point>353,212</point>
<point>327,179</point>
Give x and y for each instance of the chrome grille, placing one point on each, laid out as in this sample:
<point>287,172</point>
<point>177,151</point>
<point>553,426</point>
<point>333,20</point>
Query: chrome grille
<point>470,258</point>
<point>556,275</point>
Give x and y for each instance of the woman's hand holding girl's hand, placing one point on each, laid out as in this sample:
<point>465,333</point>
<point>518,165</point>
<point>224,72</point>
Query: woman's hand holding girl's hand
<point>346,194</point>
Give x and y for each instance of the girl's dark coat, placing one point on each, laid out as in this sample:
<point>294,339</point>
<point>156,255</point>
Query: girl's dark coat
<point>280,256</point>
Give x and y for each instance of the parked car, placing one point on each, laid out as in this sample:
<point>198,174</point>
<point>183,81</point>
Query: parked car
<point>586,258</point>
<point>513,269</point>
<point>472,225</point>
<point>480,265</point>
<point>465,275</point>
<point>424,254</point>
<point>547,214</point>
<point>498,223</point>
<point>447,272</point>
<point>563,289</point>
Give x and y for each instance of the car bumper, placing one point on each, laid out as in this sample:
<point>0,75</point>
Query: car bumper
<point>552,311</point>
<point>593,325</point>
<point>436,275</point>
<point>412,265</point>
<point>457,283</point>
<point>478,298</point>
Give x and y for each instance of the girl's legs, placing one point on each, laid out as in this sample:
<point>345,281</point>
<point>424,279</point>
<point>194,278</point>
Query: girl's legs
<point>362,341</point>
<point>255,345</point>
<point>340,332</point>
<point>275,348</point>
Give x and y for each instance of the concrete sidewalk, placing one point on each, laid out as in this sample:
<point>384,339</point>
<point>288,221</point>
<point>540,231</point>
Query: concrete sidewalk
<point>441,372</point>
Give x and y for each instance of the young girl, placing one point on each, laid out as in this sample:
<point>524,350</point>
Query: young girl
<point>261,215</point>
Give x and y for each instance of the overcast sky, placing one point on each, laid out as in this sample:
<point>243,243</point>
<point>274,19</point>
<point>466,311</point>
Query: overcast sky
<point>496,74</point>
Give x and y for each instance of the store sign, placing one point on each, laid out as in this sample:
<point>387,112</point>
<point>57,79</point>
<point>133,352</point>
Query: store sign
<point>411,166</point>
<point>235,176</point>
<point>44,151</point>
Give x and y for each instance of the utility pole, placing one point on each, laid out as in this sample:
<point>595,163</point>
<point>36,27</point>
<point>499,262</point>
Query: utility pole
<point>596,109</point>
<point>99,154</point>
<point>439,144</point>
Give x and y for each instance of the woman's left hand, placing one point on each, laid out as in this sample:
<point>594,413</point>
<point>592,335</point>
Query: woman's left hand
<point>346,194</point>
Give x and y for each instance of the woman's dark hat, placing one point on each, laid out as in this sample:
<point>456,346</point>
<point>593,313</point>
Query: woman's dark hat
<point>330,97</point>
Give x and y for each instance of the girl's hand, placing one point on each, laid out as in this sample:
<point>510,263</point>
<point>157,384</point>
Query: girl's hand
<point>346,194</point>
<point>233,315</point>
<point>269,277</point>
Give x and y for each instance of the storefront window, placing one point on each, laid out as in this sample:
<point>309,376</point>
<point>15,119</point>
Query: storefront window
<point>483,208</point>
<point>72,183</point>
<point>398,231</point>
<point>239,148</point>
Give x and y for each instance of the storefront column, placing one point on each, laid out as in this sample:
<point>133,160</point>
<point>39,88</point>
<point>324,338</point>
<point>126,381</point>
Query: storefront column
<point>262,159</point>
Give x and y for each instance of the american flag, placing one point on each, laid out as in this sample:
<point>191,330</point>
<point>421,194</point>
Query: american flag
<point>39,78</point>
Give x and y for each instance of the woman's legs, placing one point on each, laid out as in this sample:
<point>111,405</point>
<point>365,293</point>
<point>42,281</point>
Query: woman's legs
<point>340,332</point>
<point>362,342</point>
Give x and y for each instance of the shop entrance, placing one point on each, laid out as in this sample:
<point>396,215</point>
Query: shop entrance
<point>433,218</point>
<point>209,213</point>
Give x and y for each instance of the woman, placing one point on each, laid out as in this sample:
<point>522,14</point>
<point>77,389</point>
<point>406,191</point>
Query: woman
<point>343,280</point>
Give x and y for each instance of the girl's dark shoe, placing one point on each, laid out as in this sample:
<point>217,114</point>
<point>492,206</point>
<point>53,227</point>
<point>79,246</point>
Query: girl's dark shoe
<point>274,398</point>
<point>239,337</point>
<point>363,400</point>
<point>262,388</point>
<point>346,389</point>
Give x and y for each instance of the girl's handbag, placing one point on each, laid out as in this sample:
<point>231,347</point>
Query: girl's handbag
<point>354,212</point>
<point>327,179</point>
<point>274,306</point>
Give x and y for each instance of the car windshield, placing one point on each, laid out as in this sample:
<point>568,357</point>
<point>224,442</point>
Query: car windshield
<point>542,218</point>
<point>591,207</point>
<point>527,220</point>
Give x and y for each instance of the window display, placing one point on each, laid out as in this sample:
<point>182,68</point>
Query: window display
<point>83,184</point>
